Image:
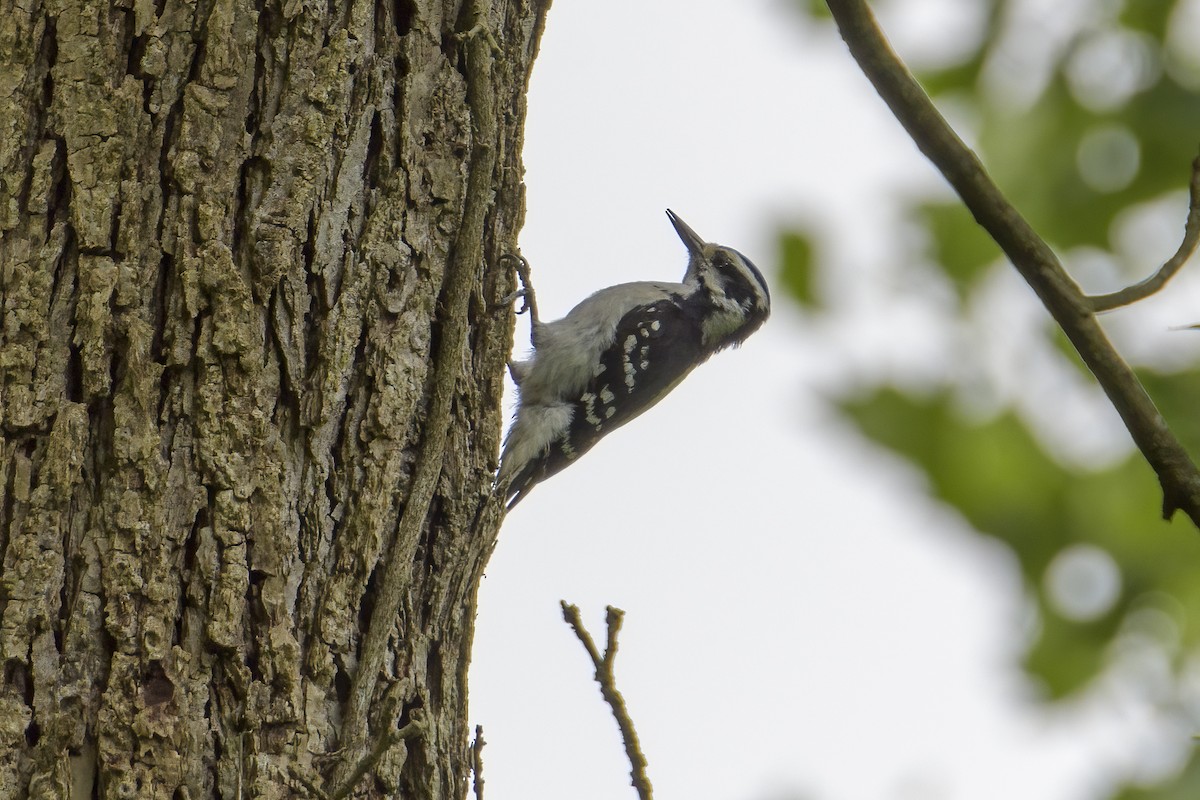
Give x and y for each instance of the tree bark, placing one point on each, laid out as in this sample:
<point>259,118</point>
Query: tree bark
<point>242,245</point>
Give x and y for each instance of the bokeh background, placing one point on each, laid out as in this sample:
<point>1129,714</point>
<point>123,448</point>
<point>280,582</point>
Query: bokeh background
<point>898,546</point>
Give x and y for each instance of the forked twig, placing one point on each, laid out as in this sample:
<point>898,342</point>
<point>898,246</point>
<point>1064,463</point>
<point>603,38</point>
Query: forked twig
<point>608,688</point>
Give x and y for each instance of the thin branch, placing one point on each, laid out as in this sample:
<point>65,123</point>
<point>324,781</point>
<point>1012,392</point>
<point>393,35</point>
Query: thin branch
<point>1028,252</point>
<point>608,689</point>
<point>477,761</point>
<point>1191,237</point>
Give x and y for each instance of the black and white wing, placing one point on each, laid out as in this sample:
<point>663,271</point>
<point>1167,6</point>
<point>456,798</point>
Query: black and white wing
<point>656,345</point>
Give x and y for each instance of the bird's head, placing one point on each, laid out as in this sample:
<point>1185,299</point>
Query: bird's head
<point>728,281</point>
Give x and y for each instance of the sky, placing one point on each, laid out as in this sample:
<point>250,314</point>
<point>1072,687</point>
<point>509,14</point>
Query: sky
<point>801,621</point>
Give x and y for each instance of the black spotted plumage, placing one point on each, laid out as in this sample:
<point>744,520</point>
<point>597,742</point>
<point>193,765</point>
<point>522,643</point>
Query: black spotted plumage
<point>655,347</point>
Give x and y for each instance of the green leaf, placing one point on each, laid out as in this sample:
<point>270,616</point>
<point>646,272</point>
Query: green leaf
<point>817,9</point>
<point>957,79</point>
<point>1176,396</point>
<point>797,266</point>
<point>1067,655</point>
<point>959,244</point>
<point>1148,16</point>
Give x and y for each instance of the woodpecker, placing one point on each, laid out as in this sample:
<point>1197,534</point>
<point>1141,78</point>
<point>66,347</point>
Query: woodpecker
<point>619,352</point>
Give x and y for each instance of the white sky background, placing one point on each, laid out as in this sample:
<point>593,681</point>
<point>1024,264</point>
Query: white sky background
<point>801,622</point>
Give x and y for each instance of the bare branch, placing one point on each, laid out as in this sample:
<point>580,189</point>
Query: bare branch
<point>1191,237</point>
<point>608,689</point>
<point>1028,252</point>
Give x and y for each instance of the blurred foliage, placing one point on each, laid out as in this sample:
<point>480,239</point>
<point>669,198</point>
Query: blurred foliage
<point>1076,126</point>
<point>963,249</point>
<point>796,267</point>
<point>1176,396</point>
<point>1185,787</point>
<point>1001,479</point>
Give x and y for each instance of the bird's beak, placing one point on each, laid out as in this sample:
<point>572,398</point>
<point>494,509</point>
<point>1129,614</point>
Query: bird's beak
<point>691,239</point>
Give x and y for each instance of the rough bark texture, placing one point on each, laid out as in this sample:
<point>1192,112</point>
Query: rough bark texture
<point>225,231</point>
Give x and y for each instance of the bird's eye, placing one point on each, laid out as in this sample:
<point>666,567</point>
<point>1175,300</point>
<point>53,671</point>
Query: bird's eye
<point>725,266</point>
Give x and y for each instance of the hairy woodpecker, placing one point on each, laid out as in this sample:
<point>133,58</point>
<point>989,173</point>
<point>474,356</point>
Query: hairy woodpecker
<point>619,352</point>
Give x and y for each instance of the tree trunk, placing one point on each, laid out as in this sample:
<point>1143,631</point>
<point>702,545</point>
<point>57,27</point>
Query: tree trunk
<point>250,375</point>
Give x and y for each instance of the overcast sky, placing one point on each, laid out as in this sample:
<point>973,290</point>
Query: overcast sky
<point>801,622</point>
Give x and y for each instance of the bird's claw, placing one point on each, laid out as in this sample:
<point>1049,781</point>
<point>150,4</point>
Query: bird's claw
<point>526,291</point>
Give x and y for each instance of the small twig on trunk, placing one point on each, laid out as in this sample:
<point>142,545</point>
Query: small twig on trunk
<point>608,688</point>
<point>308,784</point>
<point>477,761</point>
<point>414,728</point>
<point>1191,237</point>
